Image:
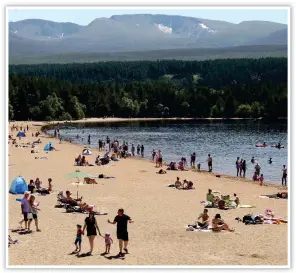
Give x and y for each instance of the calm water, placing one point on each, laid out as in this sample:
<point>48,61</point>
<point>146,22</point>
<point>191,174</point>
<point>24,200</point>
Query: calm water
<point>223,140</point>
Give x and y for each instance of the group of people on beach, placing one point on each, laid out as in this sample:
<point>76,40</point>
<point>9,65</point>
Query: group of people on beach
<point>218,224</point>
<point>29,210</point>
<point>36,186</point>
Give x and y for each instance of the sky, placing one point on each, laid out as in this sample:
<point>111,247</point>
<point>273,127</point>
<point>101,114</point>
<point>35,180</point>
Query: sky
<point>85,16</point>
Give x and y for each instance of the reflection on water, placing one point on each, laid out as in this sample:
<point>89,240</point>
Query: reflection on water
<point>225,141</point>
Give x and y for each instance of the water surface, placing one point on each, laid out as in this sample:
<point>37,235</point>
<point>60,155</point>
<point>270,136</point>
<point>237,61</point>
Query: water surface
<point>223,140</point>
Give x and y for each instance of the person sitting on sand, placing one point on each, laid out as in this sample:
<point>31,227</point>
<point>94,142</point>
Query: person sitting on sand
<point>78,160</point>
<point>181,166</point>
<point>211,198</point>
<point>236,200</point>
<point>38,184</point>
<point>218,224</point>
<point>203,219</point>
<point>84,162</point>
<point>98,161</point>
<point>31,186</point>
<point>51,148</point>
<point>187,185</point>
<point>178,183</point>
<point>161,171</point>
<point>46,190</point>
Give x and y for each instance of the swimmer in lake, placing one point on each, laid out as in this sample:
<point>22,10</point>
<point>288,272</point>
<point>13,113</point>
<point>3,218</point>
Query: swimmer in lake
<point>270,160</point>
<point>253,160</point>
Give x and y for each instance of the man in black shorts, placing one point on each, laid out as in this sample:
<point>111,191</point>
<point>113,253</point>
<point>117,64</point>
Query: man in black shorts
<point>122,235</point>
<point>210,163</point>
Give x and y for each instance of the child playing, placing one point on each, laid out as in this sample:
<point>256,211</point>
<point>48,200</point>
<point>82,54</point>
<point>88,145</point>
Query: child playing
<point>261,179</point>
<point>78,238</point>
<point>108,242</point>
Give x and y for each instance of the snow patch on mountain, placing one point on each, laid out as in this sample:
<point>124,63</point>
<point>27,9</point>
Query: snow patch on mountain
<point>164,29</point>
<point>207,28</point>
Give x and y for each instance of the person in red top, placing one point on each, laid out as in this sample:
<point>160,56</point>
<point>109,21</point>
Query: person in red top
<point>78,239</point>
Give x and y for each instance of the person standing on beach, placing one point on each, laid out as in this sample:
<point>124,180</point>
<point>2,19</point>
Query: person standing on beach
<point>210,162</point>
<point>244,167</point>
<point>153,155</point>
<point>142,150</point>
<point>26,209</point>
<point>78,239</point>
<point>138,149</point>
<point>237,164</point>
<point>34,210</point>
<point>192,159</point>
<point>284,177</point>
<point>133,150</point>
<point>90,223</point>
<point>257,169</point>
<point>160,158</point>
<point>122,235</point>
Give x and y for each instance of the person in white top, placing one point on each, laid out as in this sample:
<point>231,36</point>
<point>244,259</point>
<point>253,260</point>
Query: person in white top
<point>284,177</point>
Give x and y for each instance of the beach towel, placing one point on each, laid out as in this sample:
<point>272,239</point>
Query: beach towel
<point>246,206</point>
<point>197,228</point>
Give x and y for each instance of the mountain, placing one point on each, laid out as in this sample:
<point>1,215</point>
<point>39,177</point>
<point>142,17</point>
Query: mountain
<point>279,37</point>
<point>140,32</point>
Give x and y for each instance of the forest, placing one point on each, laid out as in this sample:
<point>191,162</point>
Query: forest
<point>224,88</point>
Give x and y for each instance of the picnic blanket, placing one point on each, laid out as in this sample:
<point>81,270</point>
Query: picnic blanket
<point>197,228</point>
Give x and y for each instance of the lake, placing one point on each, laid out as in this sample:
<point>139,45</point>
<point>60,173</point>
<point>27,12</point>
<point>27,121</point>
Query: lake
<point>224,140</point>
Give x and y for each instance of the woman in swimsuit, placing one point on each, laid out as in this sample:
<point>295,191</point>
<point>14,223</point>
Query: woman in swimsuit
<point>219,224</point>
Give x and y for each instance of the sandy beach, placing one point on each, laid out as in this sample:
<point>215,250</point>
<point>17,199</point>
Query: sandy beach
<point>158,236</point>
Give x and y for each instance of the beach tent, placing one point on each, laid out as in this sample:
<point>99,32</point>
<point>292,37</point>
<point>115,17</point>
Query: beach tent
<point>18,185</point>
<point>86,152</point>
<point>20,134</point>
<point>47,146</point>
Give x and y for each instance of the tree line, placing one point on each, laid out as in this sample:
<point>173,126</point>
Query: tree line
<point>215,88</point>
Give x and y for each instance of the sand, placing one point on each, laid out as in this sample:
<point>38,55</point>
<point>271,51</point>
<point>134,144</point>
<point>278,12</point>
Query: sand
<point>158,235</point>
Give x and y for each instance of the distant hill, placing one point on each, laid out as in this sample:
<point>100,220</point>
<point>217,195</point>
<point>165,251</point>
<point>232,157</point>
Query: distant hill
<point>179,54</point>
<point>140,32</point>
<point>279,37</point>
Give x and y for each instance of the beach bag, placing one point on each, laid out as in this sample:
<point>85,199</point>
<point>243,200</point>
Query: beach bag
<point>248,219</point>
<point>30,216</point>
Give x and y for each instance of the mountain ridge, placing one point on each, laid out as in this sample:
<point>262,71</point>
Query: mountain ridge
<point>136,32</point>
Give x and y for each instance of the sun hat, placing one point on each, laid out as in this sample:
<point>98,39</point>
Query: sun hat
<point>107,233</point>
<point>78,225</point>
<point>27,192</point>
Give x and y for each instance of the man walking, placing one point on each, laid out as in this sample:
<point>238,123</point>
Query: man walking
<point>122,235</point>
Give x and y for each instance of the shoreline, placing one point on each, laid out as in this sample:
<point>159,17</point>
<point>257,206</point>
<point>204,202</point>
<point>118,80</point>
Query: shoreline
<point>203,172</point>
<point>116,119</point>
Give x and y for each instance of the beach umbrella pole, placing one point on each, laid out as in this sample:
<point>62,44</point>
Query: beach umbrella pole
<point>77,187</point>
